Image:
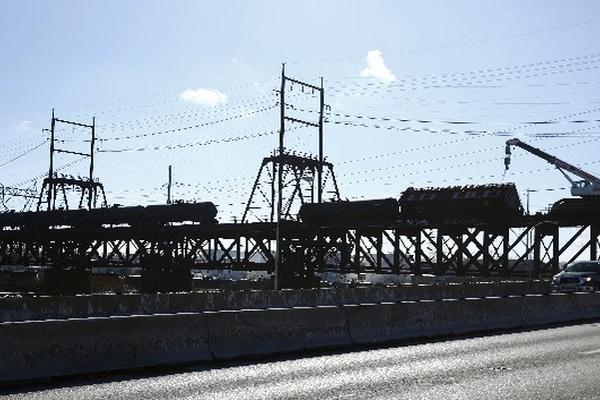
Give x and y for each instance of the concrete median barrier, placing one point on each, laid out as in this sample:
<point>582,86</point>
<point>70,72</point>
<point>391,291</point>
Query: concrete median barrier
<point>588,304</point>
<point>40,349</point>
<point>254,332</point>
<point>45,307</point>
<point>478,315</point>
<point>379,323</point>
<point>549,309</point>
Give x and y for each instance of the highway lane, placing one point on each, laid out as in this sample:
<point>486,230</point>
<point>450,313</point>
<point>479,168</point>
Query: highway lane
<point>555,363</point>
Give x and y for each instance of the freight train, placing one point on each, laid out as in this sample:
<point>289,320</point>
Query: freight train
<point>475,203</point>
<point>151,215</point>
<point>486,203</point>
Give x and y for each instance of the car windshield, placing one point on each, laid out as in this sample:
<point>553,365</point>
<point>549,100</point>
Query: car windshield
<point>583,267</point>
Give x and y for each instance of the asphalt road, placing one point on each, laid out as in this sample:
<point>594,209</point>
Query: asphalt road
<point>556,363</point>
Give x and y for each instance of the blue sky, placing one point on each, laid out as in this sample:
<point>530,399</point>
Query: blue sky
<point>497,64</point>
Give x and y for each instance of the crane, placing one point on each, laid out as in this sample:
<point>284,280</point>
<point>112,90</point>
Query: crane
<point>589,185</point>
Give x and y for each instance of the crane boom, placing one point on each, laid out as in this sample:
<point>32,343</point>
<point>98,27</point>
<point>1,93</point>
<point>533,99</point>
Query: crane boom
<point>588,186</point>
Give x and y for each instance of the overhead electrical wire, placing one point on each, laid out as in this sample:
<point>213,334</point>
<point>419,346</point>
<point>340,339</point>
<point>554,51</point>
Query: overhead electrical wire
<point>389,88</point>
<point>460,44</point>
<point>230,139</point>
<point>181,129</point>
<point>4,164</point>
<point>206,184</point>
<point>156,120</point>
<point>412,129</point>
<point>451,122</point>
<point>453,156</point>
<point>558,119</point>
<point>477,74</point>
<point>45,174</point>
<point>157,158</point>
<point>173,94</point>
<point>467,164</point>
<point>499,73</point>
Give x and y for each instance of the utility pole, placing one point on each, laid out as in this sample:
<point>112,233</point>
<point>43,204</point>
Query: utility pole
<point>281,160</point>
<point>51,169</point>
<point>320,168</point>
<point>279,179</point>
<point>169,184</point>
<point>92,188</point>
<point>528,238</point>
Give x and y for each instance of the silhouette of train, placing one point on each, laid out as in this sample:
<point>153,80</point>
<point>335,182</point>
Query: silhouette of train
<point>491,203</point>
<point>495,202</point>
<point>151,215</point>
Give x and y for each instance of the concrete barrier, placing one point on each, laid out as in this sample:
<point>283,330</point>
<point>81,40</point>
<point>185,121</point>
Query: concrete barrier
<point>45,307</point>
<point>475,315</point>
<point>588,304</point>
<point>379,323</point>
<point>253,332</point>
<point>40,349</point>
<point>556,308</point>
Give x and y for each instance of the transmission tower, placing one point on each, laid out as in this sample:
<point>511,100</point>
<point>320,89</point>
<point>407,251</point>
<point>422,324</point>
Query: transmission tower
<point>287,179</point>
<point>7,193</point>
<point>54,185</point>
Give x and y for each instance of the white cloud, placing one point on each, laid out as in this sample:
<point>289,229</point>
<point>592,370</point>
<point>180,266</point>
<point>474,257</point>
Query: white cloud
<point>376,68</point>
<point>206,97</point>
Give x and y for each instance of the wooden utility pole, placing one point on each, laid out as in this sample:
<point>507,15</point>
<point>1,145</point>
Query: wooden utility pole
<point>169,184</point>
<point>51,169</point>
<point>320,168</point>
<point>92,144</point>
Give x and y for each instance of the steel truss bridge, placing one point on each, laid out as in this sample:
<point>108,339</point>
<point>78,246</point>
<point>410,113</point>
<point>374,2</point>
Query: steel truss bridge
<point>527,245</point>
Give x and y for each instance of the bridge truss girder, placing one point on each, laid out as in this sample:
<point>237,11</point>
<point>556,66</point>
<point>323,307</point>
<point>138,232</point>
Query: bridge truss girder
<point>533,248</point>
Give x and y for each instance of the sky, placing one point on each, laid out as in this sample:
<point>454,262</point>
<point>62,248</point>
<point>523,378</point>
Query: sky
<point>422,93</point>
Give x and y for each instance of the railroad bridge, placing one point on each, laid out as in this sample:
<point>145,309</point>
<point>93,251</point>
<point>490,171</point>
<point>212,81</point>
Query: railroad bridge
<point>519,245</point>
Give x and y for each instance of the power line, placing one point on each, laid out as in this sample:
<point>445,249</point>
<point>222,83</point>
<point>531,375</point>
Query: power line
<point>22,155</point>
<point>460,44</point>
<point>230,139</point>
<point>467,164</point>
<point>485,83</point>
<point>44,174</point>
<point>457,122</point>
<point>499,72</point>
<point>181,129</point>
<point>185,115</point>
<point>175,98</point>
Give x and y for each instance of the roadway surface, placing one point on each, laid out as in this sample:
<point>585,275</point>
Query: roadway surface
<point>555,363</point>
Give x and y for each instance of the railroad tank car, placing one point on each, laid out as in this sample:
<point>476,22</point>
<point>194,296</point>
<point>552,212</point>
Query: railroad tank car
<point>204,212</point>
<point>362,212</point>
